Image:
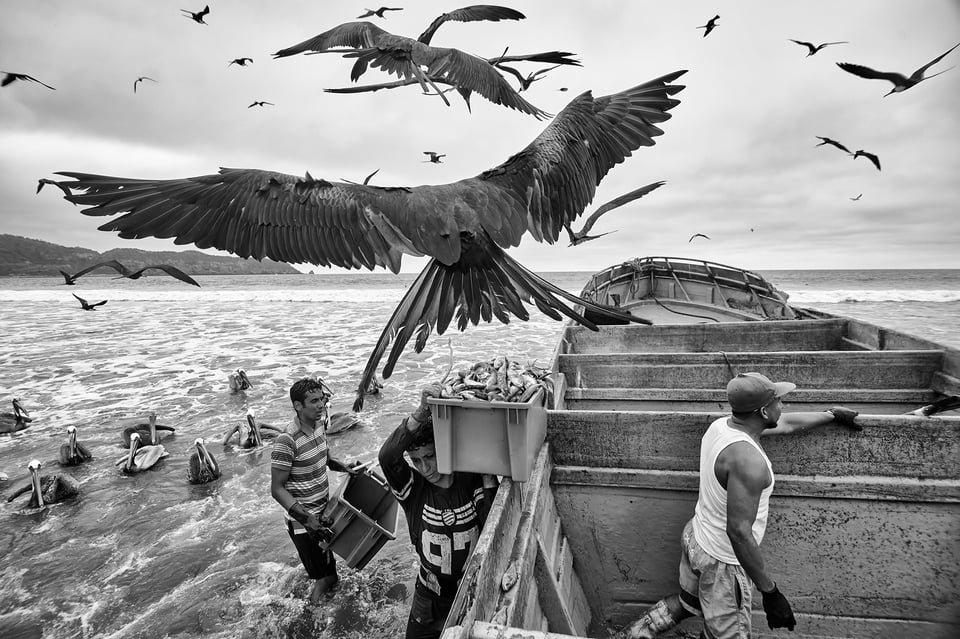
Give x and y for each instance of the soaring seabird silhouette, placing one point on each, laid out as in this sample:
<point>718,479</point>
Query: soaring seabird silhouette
<point>709,26</point>
<point>172,271</point>
<point>900,82</point>
<point>202,467</point>
<point>473,13</point>
<point>114,264</point>
<point>147,432</point>
<point>48,489</point>
<point>9,78</point>
<point>697,235</point>
<point>18,420</point>
<point>141,457</point>
<point>87,306</point>
<point>579,237</point>
<point>530,78</point>
<point>831,143</point>
<point>463,226</point>
<point>813,48</point>
<point>857,198</point>
<point>197,16</point>
<point>378,12</point>
<point>411,59</point>
<point>260,103</point>
<point>141,79</point>
<point>241,61</point>
<point>73,452</point>
<point>434,156</point>
<point>870,156</point>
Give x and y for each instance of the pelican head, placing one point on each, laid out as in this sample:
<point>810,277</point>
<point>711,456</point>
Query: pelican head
<point>243,379</point>
<point>72,440</point>
<point>130,464</point>
<point>153,428</point>
<point>18,408</point>
<point>254,428</point>
<point>207,468</point>
<point>34,468</point>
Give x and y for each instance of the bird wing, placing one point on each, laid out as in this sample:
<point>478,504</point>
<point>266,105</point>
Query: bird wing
<point>356,35</point>
<point>809,45</point>
<point>615,203</point>
<point>114,264</point>
<point>472,13</point>
<point>918,74</point>
<point>547,57</point>
<point>833,143</point>
<point>80,299</point>
<point>555,177</point>
<point>486,283</point>
<point>255,213</point>
<point>67,278</point>
<point>870,74</point>
<point>172,271</point>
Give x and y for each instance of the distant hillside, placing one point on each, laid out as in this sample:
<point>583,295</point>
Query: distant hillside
<point>25,256</point>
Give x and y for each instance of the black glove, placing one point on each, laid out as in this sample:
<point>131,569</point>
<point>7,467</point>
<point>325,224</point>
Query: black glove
<point>845,417</point>
<point>777,608</point>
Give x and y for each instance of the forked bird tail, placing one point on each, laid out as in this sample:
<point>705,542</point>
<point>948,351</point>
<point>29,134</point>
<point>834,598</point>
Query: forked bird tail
<point>492,286</point>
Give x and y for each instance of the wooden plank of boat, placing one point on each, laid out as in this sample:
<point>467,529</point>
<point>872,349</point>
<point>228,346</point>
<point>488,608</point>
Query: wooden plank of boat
<point>863,524</point>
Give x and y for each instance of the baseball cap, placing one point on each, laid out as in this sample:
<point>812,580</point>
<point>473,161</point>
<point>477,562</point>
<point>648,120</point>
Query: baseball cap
<point>748,392</point>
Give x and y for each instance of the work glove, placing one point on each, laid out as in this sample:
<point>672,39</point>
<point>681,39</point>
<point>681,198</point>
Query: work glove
<point>777,608</point>
<point>845,417</point>
<point>423,410</point>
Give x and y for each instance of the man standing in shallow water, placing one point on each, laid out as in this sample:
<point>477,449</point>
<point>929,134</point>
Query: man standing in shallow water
<point>298,481</point>
<point>445,514</point>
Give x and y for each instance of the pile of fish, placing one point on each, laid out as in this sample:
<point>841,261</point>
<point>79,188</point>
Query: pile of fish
<point>500,379</point>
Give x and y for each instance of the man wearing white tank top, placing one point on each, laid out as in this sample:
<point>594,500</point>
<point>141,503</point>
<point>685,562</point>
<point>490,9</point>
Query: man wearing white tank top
<point>721,559</point>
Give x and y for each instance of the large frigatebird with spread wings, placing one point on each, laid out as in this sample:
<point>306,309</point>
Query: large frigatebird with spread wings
<point>464,226</point>
<point>416,60</point>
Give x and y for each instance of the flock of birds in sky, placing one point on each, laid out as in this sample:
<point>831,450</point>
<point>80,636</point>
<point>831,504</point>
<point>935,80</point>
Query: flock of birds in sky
<point>71,280</point>
<point>464,226</point>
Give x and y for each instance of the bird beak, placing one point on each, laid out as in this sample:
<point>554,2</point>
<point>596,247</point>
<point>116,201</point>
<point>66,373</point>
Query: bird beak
<point>73,443</point>
<point>134,444</point>
<point>255,428</point>
<point>35,480</point>
<point>243,378</point>
<point>153,429</point>
<point>19,409</point>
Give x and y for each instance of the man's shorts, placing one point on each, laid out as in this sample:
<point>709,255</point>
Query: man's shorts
<point>318,562</point>
<point>719,592</point>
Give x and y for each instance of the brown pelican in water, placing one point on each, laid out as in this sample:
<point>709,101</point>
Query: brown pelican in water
<point>900,82</point>
<point>73,452</point>
<point>238,381</point>
<point>140,458</point>
<point>251,433</point>
<point>341,421</point>
<point>15,421</point>
<point>147,432</point>
<point>464,226</point>
<point>48,489</point>
<point>203,467</point>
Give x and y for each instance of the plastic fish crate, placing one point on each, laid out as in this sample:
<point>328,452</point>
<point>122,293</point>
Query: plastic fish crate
<point>365,515</point>
<point>497,438</point>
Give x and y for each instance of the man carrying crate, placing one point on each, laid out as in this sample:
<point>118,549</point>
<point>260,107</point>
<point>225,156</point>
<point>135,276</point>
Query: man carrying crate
<point>445,514</point>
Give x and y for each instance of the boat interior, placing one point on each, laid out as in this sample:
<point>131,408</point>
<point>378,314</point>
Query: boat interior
<point>593,535</point>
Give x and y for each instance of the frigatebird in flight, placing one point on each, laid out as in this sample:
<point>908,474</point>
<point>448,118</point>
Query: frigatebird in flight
<point>900,82</point>
<point>464,226</point>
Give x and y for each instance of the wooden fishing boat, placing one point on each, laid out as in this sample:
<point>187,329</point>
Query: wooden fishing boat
<point>863,534</point>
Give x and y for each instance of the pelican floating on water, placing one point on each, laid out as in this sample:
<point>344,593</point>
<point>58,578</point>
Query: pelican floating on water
<point>17,420</point>
<point>239,380</point>
<point>140,458</point>
<point>148,432</point>
<point>48,489</point>
<point>339,422</point>
<point>203,467</point>
<point>251,434</point>
<point>73,452</point>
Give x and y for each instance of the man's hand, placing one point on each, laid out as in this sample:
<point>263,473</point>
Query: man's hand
<point>778,610</point>
<point>845,417</point>
<point>314,524</point>
<point>423,410</point>
<point>355,467</point>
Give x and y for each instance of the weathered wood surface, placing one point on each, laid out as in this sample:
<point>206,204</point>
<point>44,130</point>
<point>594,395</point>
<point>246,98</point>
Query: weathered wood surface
<point>813,369</point>
<point>786,335</point>
<point>895,446</point>
<point>846,558</point>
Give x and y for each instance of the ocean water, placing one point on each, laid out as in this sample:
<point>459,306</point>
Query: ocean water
<point>151,555</point>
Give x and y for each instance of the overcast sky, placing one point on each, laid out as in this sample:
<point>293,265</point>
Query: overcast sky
<point>738,157</point>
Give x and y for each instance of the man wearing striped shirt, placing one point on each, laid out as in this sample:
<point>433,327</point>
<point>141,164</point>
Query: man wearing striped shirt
<point>298,480</point>
<point>445,514</point>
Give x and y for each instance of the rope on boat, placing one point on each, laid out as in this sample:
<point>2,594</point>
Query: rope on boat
<point>682,313</point>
